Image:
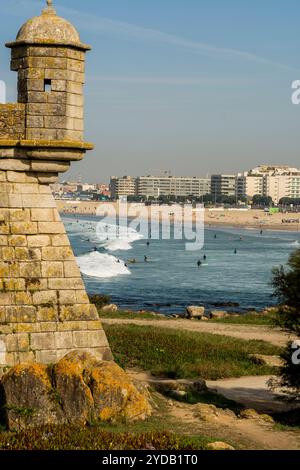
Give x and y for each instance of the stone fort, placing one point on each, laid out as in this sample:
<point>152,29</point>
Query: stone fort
<point>44,309</point>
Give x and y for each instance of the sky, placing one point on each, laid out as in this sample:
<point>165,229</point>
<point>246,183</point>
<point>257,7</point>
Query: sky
<point>193,87</point>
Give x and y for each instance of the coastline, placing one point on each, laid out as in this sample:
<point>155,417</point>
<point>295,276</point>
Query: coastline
<point>252,219</point>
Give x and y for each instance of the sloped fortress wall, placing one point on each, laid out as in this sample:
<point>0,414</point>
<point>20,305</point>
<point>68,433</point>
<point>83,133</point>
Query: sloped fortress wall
<point>44,309</point>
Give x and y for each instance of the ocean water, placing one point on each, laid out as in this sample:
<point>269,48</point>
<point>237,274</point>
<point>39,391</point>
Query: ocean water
<point>171,279</point>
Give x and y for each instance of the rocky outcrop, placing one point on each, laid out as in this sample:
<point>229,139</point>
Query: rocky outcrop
<point>218,314</point>
<point>179,389</point>
<point>110,308</point>
<point>77,390</point>
<point>219,446</point>
<point>195,312</point>
<point>252,414</point>
<point>212,414</point>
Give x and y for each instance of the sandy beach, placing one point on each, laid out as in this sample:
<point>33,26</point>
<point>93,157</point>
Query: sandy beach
<point>256,219</point>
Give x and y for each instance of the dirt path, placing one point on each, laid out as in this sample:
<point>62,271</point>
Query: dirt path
<point>246,332</point>
<point>242,433</point>
<point>253,392</point>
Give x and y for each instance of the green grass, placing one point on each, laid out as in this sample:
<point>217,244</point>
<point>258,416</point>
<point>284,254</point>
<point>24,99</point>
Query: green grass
<point>94,438</point>
<point>288,420</point>
<point>183,354</point>
<point>160,432</point>
<point>122,315</point>
<point>247,319</point>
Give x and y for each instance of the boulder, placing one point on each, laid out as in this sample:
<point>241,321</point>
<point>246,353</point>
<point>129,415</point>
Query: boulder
<point>219,314</point>
<point>210,413</point>
<point>178,394</point>
<point>26,397</point>
<point>110,308</point>
<point>219,446</point>
<point>115,396</point>
<point>77,390</point>
<point>199,386</point>
<point>253,414</point>
<point>195,312</point>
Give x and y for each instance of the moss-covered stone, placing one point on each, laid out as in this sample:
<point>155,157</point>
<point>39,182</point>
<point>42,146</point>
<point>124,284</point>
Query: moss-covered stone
<point>77,390</point>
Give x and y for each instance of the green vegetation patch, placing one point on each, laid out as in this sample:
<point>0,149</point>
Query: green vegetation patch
<point>183,354</point>
<point>94,438</point>
<point>247,319</point>
<point>122,315</point>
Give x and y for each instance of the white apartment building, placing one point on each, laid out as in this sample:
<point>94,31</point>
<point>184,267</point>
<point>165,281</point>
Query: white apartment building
<point>249,185</point>
<point>153,186</point>
<point>274,181</point>
<point>123,186</point>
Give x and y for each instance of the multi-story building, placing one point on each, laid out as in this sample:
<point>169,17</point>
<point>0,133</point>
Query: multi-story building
<point>223,185</point>
<point>249,185</point>
<point>124,186</point>
<point>273,181</point>
<point>155,186</point>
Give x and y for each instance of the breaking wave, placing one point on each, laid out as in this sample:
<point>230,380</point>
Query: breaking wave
<point>101,265</point>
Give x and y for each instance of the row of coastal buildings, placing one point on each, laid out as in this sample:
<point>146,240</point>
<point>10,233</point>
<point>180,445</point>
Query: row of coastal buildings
<point>273,181</point>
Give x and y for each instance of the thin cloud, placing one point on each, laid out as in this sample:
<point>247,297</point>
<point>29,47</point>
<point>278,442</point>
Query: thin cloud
<point>106,26</point>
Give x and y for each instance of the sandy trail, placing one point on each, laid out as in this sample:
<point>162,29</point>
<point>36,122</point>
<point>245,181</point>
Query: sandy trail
<point>244,433</point>
<point>248,434</point>
<point>246,332</point>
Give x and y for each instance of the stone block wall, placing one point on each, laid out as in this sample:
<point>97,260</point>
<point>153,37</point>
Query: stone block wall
<point>56,114</point>
<point>44,309</point>
<point>12,121</point>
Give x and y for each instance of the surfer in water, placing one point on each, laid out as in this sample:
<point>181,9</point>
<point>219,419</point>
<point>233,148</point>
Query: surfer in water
<point>204,257</point>
<point>235,251</point>
<point>199,263</point>
<point>215,236</point>
<point>146,259</point>
<point>148,243</point>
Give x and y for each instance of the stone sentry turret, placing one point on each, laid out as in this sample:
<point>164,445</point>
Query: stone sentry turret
<point>44,309</point>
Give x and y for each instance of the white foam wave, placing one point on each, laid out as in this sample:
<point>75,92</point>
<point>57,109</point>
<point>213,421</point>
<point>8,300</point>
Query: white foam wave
<point>115,238</point>
<point>101,265</point>
<point>116,245</point>
<point>109,236</point>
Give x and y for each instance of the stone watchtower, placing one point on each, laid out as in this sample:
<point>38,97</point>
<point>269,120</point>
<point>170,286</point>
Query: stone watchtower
<point>44,309</point>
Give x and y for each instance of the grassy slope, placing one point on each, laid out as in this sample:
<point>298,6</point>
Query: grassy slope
<point>159,432</point>
<point>182,354</point>
<point>246,319</point>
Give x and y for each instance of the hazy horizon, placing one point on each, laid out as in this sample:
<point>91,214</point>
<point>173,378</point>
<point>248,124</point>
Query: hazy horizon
<point>191,87</point>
